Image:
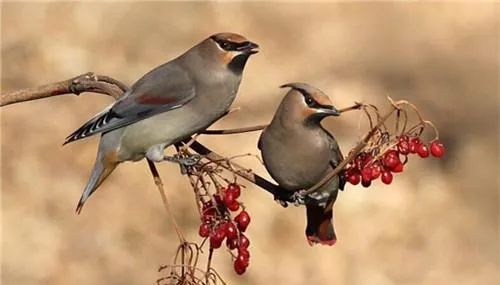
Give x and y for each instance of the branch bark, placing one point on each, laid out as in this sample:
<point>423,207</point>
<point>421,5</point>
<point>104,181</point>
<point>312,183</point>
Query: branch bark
<point>88,82</point>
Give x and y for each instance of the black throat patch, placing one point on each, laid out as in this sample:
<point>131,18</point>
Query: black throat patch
<point>238,62</point>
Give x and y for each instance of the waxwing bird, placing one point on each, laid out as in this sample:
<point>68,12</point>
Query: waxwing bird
<point>168,104</point>
<point>298,152</point>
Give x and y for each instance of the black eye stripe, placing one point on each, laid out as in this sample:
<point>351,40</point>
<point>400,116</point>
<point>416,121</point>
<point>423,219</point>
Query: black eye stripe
<point>310,100</point>
<point>231,46</point>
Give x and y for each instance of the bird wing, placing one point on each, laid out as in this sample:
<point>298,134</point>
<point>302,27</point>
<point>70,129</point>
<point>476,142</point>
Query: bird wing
<point>337,158</point>
<point>165,88</point>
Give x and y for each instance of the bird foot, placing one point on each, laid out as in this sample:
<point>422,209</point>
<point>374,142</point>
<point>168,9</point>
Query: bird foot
<point>298,199</point>
<point>185,162</point>
<point>282,203</point>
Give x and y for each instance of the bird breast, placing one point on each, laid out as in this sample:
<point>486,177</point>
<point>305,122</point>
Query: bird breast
<point>296,161</point>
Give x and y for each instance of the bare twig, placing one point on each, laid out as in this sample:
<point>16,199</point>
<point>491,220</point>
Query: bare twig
<point>88,82</point>
<point>356,106</point>
<point>159,185</point>
<point>234,131</point>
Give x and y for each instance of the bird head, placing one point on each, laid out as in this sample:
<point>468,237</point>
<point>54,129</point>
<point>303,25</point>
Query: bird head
<point>230,50</point>
<point>306,103</point>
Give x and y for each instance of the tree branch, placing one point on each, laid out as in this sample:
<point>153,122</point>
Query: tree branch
<point>88,82</point>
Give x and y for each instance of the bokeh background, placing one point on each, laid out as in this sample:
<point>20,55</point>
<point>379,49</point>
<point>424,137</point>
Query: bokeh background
<point>438,223</point>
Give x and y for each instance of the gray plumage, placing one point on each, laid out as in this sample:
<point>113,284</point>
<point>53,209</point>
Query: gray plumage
<point>170,103</point>
<point>298,152</point>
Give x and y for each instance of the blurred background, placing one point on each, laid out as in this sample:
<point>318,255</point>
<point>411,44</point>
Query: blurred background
<point>438,223</point>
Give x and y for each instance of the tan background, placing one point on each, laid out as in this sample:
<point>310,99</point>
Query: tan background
<point>436,224</point>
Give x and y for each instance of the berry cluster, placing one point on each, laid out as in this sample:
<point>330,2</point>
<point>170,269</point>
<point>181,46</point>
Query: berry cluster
<point>368,165</point>
<point>217,225</point>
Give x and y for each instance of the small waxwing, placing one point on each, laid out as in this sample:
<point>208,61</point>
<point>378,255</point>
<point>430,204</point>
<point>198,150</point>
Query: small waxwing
<point>171,102</point>
<point>298,152</point>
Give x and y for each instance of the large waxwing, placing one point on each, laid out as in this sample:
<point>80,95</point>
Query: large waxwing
<point>170,103</point>
<point>298,152</point>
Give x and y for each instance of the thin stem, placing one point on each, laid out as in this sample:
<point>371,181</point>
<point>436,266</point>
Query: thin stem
<point>159,185</point>
<point>356,106</point>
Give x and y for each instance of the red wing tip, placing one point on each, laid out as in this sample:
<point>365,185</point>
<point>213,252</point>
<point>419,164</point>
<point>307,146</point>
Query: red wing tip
<point>312,240</point>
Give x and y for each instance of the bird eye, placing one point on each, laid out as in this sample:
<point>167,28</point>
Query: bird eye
<point>309,101</point>
<point>225,45</point>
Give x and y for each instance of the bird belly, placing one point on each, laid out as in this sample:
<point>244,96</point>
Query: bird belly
<point>293,167</point>
<point>168,128</point>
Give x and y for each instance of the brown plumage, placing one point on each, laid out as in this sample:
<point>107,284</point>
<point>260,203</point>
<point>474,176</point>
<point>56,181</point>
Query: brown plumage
<point>298,152</point>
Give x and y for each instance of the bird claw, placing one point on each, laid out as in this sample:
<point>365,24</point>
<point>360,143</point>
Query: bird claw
<point>298,199</point>
<point>282,203</point>
<point>185,162</point>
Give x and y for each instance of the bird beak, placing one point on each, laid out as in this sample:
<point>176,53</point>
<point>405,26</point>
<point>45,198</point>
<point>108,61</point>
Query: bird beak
<point>328,111</point>
<point>248,48</point>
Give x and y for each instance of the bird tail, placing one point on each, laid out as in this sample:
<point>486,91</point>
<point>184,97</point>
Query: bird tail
<point>320,225</point>
<point>104,165</point>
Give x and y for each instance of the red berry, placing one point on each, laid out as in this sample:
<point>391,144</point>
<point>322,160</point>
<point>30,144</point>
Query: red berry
<point>216,238</point>
<point>221,229</point>
<point>437,149</point>
<point>243,252</point>
<point>404,147</point>
<point>403,138</point>
<point>244,241</point>
<point>240,266</point>
<point>353,177</point>
<point>391,159</point>
<point>242,220</point>
<point>398,168</point>
<point>362,160</point>
<point>208,219</point>
<point>423,151</point>
<point>366,183</point>
<point>235,189</point>
<point>415,144</point>
<point>376,169</point>
<point>231,231</point>
<point>234,206</point>
<point>244,260</point>
<point>204,230</point>
<point>386,177</point>
<point>229,198</point>
<point>366,174</point>
<point>232,243</point>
